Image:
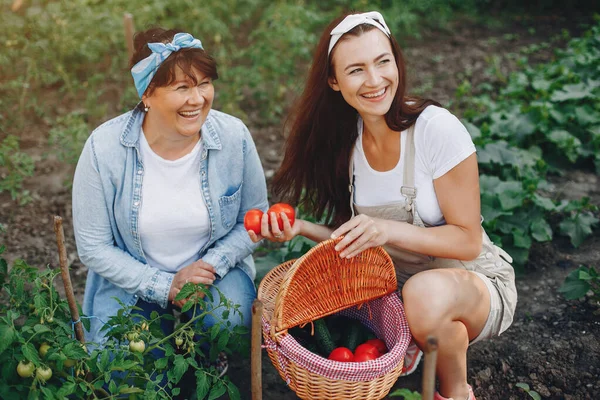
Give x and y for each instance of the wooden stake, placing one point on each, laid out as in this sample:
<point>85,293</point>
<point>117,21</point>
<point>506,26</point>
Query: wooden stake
<point>429,363</point>
<point>66,277</point>
<point>256,350</point>
<point>129,31</point>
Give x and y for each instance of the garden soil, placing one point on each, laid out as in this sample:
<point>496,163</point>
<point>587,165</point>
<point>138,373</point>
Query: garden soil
<point>553,344</point>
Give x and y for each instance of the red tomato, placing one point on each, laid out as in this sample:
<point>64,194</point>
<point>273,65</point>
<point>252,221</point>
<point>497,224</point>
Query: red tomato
<point>252,220</point>
<point>362,357</point>
<point>285,208</point>
<point>366,348</point>
<point>379,345</point>
<point>342,354</point>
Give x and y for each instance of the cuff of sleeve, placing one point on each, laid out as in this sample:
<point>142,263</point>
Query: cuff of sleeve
<point>221,263</point>
<point>158,288</point>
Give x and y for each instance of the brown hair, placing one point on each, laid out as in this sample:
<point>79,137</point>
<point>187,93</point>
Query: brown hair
<point>186,59</point>
<point>315,169</point>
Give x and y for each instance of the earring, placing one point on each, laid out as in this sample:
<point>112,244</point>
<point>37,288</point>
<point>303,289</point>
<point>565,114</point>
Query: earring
<point>146,108</point>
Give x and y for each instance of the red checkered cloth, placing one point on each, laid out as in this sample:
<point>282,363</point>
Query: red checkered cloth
<point>384,316</point>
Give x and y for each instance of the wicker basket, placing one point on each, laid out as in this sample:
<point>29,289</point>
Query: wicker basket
<point>319,284</point>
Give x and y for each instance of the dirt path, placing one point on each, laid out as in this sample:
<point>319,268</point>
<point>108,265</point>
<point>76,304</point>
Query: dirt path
<point>552,346</point>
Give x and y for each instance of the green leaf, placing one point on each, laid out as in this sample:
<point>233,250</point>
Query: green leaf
<point>232,390</point>
<point>566,142</point>
<point>112,387</point>
<point>217,390</point>
<point>544,202</point>
<point>186,291</point>
<point>30,353</point>
<point>161,363</point>
<point>535,395</point>
<point>572,92</point>
<point>187,306</point>
<point>510,194</point>
<point>574,288</point>
<point>202,385</point>
<point>521,239</point>
<point>7,336</point>
<point>180,366</point>
<point>584,276</point>
<point>578,227</point>
<point>214,331</point>
<point>541,230</point>
<point>523,386</point>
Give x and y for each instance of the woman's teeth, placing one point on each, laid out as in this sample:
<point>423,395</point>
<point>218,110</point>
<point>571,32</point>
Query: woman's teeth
<point>189,113</point>
<point>371,95</point>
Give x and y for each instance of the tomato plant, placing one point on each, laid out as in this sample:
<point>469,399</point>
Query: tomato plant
<point>36,358</point>
<point>283,208</point>
<point>342,354</point>
<point>252,220</point>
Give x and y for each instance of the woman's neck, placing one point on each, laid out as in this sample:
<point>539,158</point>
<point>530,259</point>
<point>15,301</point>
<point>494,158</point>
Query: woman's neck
<point>168,146</point>
<point>377,130</point>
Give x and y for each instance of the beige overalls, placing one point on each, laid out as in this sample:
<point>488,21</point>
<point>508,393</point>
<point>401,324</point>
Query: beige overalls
<point>492,265</point>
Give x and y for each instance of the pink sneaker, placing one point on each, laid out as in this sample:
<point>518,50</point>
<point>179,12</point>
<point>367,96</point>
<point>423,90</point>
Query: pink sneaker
<point>411,359</point>
<point>440,397</point>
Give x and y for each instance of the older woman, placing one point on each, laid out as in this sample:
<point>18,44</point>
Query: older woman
<point>160,192</point>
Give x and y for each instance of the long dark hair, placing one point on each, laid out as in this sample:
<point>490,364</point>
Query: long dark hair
<point>315,169</point>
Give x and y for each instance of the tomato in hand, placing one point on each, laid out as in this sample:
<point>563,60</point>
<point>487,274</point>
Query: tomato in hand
<point>366,348</point>
<point>252,220</point>
<point>283,208</point>
<point>379,345</point>
<point>342,354</point>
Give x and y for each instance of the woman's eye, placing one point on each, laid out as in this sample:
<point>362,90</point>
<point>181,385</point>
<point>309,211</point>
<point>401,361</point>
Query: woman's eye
<point>182,87</point>
<point>354,71</point>
<point>384,61</point>
<point>204,83</point>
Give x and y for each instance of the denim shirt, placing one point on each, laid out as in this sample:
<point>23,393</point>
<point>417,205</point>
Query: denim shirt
<point>107,190</point>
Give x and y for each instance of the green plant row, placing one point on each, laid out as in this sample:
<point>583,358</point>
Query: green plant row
<point>40,358</point>
<point>544,121</point>
<point>64,62</point>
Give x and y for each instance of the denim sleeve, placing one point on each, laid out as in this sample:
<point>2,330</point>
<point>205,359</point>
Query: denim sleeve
<point>236,245</point>
<point>96,242</point>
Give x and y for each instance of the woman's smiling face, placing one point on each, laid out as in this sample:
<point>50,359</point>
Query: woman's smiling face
<point>181,107</point>
<point>365,72</point>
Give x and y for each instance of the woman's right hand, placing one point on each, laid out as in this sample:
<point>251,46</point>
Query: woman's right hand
<point>197,272</point>
<point>269,229</point>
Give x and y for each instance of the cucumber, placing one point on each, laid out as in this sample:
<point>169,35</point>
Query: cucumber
<point>353,336</point>
<point>323,338</point>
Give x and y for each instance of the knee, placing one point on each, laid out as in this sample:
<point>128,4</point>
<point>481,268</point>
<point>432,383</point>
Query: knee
<point>424,304</point>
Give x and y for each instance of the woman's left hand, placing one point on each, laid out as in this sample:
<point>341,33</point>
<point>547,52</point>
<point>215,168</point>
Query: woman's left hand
<point>360,233</point>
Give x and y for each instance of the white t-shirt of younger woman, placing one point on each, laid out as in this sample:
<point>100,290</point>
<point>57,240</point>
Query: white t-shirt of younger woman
<point>174,222</point>
<point>441,143</point>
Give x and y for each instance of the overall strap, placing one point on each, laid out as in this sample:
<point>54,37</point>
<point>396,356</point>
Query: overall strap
<point>351,185</point>
<point>408,188</point>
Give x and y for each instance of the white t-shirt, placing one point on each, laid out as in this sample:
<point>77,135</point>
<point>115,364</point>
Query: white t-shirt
<point>441,143</point>
<point>174,222</point>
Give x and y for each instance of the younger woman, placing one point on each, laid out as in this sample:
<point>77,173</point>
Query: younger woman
<point>400,172</point>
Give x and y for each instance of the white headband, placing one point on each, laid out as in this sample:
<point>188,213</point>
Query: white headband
<point>351,21</point>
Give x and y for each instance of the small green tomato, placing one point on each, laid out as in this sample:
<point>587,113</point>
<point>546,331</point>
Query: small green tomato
<point>43,350</point>
<point>137,346</point>
<point>25,369</point>
<point>179,341</point>
<point>43,374</point>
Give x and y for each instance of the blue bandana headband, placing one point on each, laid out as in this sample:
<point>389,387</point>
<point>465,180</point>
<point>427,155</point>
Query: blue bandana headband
<point>144,71</point>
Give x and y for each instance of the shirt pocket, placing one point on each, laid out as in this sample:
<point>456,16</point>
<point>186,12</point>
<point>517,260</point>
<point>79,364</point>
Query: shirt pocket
<point>230,207</point>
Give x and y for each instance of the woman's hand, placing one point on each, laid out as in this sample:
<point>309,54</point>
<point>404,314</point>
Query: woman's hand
<point>196,272</point>
<point>270,229</point>
<point>360,233</point>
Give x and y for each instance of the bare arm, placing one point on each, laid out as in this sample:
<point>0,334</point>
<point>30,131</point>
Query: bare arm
<point>458,196</point>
